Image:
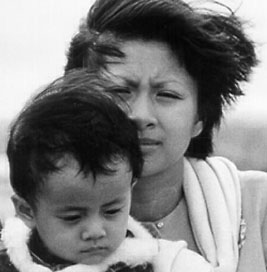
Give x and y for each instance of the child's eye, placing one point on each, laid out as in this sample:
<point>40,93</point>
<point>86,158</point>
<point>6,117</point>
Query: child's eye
<point>112,212</point>
<point>71,218</point>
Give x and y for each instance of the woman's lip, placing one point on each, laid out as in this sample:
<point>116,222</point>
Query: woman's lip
<point>148,145</point>
<point>148,141</point>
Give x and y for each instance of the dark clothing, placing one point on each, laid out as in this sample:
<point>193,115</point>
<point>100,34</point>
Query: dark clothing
<point>5,264</point>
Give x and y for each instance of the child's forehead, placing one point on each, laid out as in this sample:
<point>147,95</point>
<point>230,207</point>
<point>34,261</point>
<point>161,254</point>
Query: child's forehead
<point>65,161</point>
<point>69,178</point>
<point>69,188</point>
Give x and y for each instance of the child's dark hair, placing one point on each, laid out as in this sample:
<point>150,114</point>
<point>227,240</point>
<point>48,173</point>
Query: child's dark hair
<point>212,46</point>
<point>73,116</point>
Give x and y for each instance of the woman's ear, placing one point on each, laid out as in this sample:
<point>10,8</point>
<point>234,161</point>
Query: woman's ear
<point>23,210</point>
<point>134,181</point>
<point>198,127</point>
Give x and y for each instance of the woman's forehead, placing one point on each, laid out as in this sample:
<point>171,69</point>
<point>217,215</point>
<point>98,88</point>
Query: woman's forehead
<point>150,61</point>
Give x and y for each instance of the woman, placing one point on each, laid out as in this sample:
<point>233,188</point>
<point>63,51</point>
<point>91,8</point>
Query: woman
<point>178,66</point>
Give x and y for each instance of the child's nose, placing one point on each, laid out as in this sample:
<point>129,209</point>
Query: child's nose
<point>93,230</point>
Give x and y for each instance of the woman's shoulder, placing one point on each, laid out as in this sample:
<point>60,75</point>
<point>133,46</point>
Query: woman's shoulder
<point>253,181</point>
<point>254,207</point>
<point>254,193</point>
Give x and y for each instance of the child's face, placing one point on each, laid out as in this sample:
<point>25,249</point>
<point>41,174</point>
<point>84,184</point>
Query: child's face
<point>81,219</point>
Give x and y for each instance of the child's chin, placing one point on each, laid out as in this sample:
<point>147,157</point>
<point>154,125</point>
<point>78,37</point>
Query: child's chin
<point>93,260</point>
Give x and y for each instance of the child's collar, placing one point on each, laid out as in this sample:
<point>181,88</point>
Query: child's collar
<point>133,251</point>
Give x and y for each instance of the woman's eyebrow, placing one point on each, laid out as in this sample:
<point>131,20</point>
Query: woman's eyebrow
<point>130,81</point>
<point>123,77</point>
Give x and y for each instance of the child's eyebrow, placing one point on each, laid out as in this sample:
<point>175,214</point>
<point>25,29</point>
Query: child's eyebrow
<point>114,201</point>
<point>82,209</point>
<point>71,208</point>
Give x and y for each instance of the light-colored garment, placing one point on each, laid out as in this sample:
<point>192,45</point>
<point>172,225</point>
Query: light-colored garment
<point>165,256</point>
<point>183,223</point>
<point>253,254</point>
<point>252,229</point>
<point>213,196</point>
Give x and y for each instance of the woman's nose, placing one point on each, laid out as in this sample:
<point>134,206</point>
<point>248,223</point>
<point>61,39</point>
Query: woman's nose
<point>143,112</point>
<point>93,230</point>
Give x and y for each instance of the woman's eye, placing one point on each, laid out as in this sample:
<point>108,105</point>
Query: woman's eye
<point>122,92</point>
<point>169,94</point>
<point>119,91</point>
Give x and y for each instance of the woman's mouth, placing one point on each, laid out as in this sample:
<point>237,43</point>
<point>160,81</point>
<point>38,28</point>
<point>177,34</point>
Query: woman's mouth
<point>149,144</point>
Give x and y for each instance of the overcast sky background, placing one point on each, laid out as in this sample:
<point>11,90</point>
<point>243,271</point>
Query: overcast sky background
<point>34,36</point>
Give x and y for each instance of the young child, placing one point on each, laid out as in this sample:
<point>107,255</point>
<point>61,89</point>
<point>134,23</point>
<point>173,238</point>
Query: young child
<point>74,157</point>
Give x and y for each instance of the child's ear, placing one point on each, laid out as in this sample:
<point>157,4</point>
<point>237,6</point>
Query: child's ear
<point>23,210</point>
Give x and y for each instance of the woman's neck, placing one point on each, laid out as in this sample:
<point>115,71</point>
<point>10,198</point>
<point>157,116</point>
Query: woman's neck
<point>154,197</point>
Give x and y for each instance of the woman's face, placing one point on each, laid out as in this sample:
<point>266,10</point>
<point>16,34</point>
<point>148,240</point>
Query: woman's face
<point>163,102</point>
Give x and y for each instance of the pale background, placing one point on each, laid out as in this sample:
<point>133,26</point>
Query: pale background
<point>34,36</point>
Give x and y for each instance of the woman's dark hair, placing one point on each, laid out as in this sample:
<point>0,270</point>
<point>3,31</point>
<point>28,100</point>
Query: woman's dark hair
<point>212,46</point>
<point>76,117</point>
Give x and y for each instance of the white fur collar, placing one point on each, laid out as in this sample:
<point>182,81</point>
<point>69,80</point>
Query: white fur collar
<point>133,251</point>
